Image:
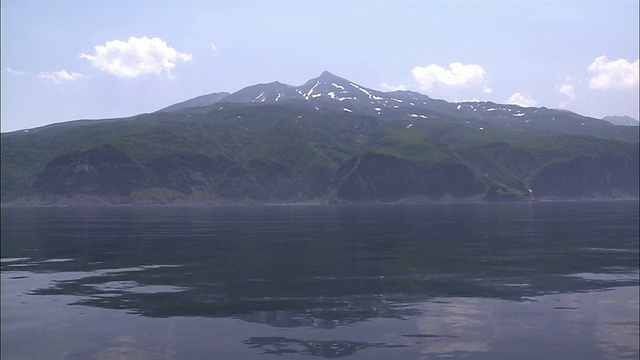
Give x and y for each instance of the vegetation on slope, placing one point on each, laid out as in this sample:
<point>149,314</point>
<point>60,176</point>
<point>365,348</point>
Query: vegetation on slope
<point>293,153</point>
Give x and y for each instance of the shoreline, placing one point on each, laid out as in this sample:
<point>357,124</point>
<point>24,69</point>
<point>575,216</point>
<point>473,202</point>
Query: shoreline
<point>224,203</point>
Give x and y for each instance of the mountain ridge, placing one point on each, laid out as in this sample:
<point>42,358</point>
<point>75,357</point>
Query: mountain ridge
<point>198,101</point>
<point>621,120</point>
<point>328,140</point>
<point>329,92</point>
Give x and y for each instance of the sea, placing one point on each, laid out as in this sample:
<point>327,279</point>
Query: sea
<point>534,280</point>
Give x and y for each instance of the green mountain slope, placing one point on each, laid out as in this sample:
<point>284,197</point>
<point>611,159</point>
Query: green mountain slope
<point>294,151</point>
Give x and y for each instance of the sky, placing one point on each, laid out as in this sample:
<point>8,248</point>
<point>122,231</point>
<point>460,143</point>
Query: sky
<point>94,59</point>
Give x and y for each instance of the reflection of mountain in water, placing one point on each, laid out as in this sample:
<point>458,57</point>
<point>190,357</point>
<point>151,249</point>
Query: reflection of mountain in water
<point>329,349</point>
<point>323,307</point>
<point>319,267</point>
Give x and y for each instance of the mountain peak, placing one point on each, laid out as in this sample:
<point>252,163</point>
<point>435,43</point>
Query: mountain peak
<point>327,76</point>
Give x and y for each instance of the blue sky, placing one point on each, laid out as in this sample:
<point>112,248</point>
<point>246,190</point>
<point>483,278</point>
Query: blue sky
<point>83,59</point>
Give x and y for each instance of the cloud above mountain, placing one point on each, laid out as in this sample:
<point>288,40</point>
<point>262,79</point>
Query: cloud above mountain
<point>136,57</point>
<point>458,75</point>
<point>567,90</point>
<point>15,72</point>
<point>61,76</point>
<point>524,100</point>
<point>614,75</point>
<point>389,87</point>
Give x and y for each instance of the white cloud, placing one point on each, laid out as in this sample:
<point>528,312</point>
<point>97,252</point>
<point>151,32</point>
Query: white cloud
<point>567,90</point>
<point>457,76</point>
<point>387,87</point>
<point>214,47</point>
<point>521,99</point>
<point>15,72</point>
<point>614,75</point>
<point>61,76</point>
<point>135,57</point>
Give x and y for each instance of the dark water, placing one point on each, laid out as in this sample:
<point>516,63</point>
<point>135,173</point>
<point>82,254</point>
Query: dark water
<point>480,281</point>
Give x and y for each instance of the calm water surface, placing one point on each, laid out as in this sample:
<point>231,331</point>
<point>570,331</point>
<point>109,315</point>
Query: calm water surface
<point>478,281</point>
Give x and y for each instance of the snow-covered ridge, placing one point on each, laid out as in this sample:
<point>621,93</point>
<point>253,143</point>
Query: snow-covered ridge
<point>334,94</point>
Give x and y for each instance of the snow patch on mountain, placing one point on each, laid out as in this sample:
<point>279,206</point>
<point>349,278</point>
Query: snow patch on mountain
<point>311,90</point>
<point>417,115</point>
<point>258,97</point>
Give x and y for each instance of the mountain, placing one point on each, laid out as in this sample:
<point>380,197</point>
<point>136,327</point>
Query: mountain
<point>331,93</point>
<point>327,140</point>
<point>199,101</point>
<point>621,120</point>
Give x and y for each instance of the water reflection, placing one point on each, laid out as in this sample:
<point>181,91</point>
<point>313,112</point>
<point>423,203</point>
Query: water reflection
<point>328,349</point>
<point>326,302</point>
<point>462,317</point>
<point>452,280</point>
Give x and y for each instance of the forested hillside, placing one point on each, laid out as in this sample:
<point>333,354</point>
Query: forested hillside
<point>327,141</point>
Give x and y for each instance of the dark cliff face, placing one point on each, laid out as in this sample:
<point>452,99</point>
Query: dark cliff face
<point>603,175</point>
<point>188,172</point>
<point>381,177</point>
<point>104,170</point>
